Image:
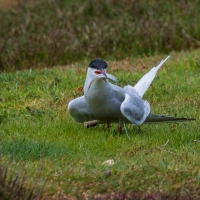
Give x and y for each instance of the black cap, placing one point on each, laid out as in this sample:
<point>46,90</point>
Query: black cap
<point>98,64</point>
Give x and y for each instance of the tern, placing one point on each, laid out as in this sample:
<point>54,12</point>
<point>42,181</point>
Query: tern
<point>109,103</point>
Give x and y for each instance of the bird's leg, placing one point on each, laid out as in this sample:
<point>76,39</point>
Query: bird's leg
<point>119,129</point>
<point>120,126</point>
<point>108,125</point>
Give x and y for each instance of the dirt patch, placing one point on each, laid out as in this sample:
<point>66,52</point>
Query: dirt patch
<point>182,194</point>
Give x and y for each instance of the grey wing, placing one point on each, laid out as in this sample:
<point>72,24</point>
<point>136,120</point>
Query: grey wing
<point>78,109</point>
<point>134,108</point>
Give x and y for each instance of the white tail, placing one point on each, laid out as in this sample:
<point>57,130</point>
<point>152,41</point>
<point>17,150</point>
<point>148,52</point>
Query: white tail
<point>144,83</point>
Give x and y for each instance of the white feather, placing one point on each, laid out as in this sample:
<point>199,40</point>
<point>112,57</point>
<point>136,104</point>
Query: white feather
<point>144,83</point>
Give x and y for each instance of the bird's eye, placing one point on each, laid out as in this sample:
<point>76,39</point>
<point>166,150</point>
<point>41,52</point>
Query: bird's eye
<point>97,72</point>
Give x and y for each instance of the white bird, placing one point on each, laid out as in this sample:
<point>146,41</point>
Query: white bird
<point>109,103</point>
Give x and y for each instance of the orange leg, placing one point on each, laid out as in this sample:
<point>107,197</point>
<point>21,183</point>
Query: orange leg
<point>119,129</point>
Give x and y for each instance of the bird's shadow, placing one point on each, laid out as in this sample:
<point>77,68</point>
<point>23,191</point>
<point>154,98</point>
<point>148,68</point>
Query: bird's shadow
<point>131,130</point>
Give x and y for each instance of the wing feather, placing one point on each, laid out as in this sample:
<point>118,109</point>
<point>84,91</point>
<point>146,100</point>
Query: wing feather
<point>135,109</point>
<point>144,83</point>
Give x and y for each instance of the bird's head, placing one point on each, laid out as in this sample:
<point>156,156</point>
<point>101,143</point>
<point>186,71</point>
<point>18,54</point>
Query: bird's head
<point>97,67</point>
<point>96,71</point>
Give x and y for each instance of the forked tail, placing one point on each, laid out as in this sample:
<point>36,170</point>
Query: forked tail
<point>156,119</point>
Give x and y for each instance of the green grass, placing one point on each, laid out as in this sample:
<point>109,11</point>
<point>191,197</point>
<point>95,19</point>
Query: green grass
<point>38,134</point>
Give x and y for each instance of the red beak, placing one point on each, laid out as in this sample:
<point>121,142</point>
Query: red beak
<point>101,72</point>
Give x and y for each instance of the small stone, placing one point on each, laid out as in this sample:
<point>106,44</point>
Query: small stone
<point>109,162</point>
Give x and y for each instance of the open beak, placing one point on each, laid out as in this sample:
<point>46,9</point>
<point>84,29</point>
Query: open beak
<point>97,72</point>
<point>100,74</point>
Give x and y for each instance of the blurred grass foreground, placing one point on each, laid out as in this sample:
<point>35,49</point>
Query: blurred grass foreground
<point>47,33</point>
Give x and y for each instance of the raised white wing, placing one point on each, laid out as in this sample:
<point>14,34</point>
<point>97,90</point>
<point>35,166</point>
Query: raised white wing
<point>144,83</point>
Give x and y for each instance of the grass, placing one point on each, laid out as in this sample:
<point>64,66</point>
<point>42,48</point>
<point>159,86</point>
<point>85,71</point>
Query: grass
<point>38,134</point>
<point>70,31</point>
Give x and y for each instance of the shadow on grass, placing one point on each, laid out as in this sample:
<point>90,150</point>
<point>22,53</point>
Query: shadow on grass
<point>26,149</point>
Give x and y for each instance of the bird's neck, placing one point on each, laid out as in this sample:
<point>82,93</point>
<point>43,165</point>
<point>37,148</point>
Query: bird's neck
<point>97,86</point>
<point>88,79</point>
